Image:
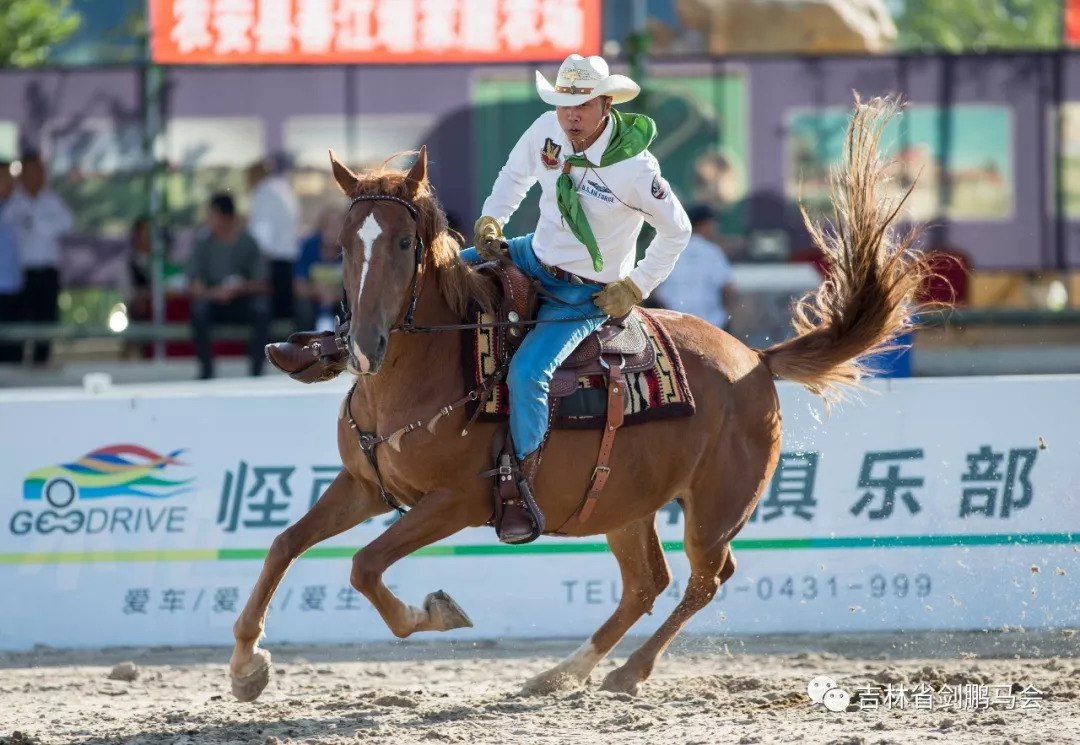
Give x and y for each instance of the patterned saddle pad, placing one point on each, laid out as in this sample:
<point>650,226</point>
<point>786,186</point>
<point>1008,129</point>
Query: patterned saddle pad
<point>659,392</point>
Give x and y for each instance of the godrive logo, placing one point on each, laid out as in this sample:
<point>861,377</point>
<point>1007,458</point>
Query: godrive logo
<point>66,494</point>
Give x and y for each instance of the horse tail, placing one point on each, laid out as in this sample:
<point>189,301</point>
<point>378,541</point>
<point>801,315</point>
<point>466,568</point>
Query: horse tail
<point>869,297</point>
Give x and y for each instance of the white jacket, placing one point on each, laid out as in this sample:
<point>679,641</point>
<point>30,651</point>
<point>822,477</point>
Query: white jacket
<point>617,200</point>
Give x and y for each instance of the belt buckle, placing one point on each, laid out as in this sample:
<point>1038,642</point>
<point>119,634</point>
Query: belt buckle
<point>575,279</point>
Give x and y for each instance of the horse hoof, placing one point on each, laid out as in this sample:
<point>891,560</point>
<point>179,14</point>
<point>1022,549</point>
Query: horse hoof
<point>446,614</point>
<point>620,681</point>
<point>550,683</point>
<point>247,687</point>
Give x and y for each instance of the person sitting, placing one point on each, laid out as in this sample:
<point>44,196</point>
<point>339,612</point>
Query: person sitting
<point>227,282</point>
<point>317,274</point>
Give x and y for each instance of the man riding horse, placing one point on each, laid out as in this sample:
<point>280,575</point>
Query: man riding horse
<point>599,183</point>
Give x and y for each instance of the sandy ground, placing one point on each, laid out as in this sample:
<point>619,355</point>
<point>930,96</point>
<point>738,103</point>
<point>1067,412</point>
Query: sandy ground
<point>705,691</point>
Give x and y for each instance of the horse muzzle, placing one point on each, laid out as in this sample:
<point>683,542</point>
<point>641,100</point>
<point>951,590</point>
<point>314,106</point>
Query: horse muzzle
<point>366,364</point>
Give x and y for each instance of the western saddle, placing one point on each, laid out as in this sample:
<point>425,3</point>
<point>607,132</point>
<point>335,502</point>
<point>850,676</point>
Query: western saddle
<point>619,346</point>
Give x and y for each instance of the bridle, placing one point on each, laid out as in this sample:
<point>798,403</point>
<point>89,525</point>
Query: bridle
<point>418,243</point>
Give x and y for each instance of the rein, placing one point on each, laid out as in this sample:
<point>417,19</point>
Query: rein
<point>411,328</point>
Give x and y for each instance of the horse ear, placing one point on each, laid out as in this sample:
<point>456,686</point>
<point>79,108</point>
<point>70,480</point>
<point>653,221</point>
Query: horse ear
<point>418,173</point>
<point>346,179</point>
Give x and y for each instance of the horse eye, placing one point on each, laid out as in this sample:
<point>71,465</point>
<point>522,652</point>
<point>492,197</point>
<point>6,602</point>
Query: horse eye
<point>405,244</point>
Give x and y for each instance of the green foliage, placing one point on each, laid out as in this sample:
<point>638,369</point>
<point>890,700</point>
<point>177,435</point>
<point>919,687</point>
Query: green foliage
<point>979,25</point>
<point>29,28</point>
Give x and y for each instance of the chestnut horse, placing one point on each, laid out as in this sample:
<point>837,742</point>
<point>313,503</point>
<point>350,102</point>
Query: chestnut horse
<point>716,462</point>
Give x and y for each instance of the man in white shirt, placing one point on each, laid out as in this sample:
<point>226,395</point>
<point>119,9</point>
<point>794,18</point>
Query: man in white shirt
<point>701,283</point>
<point>274,223</point>
<point>599,183</point>
<point>40,218</point>
<point>11,275</point>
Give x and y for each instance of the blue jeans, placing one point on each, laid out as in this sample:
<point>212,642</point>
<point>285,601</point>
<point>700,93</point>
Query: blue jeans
<point>545,346</point>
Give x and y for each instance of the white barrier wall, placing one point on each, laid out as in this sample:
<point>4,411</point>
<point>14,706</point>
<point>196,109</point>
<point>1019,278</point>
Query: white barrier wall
<point>933,504</point>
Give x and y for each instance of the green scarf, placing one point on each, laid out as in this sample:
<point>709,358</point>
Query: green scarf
<point>632,134</point>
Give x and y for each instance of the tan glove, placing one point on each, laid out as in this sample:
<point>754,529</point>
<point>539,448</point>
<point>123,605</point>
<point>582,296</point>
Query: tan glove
<point>488,239</point>
<point>618,298</point>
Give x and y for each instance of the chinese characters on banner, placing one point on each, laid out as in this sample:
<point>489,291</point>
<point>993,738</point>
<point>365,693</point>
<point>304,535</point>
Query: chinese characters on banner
<point>995,484</point>
<point>144,601</point>
<point>374,31</point>
<point>263,496</point>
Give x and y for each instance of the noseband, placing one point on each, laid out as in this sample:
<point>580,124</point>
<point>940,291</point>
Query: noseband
<point>418,242</point>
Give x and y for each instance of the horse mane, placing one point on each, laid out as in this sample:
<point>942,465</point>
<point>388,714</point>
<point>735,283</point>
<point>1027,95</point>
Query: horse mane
<point>458,282</point>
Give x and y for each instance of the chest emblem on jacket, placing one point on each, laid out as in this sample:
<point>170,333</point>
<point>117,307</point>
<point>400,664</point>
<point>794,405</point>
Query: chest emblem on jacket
<point>594,189</point>
<point>549,156</point>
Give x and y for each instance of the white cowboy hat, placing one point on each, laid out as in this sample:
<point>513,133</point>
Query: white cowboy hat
<point>582,79</point>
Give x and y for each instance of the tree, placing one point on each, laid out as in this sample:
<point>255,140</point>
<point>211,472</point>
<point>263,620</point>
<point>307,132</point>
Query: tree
<point>979,25</point>
<point>29,28</point>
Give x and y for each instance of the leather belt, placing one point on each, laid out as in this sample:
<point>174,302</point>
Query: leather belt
<point>566,276</point>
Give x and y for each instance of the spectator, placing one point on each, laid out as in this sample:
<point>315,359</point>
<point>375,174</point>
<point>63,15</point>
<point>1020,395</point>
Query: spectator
<point>701,283</point>
<point>317,279</point>
<point>11,278</point>
<point>39,218</point>
<point>139,297</point>
<point>227,283</point>
<point>274,220</point>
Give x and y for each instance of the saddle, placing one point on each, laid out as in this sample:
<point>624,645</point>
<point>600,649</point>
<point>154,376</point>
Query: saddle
<point>618,347</point>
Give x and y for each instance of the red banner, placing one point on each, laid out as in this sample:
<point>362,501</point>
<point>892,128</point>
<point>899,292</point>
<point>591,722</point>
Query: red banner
<point>1071,32</point>
<point>374,31</point>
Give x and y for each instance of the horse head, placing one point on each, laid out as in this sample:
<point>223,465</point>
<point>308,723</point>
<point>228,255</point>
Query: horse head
<point>382,256</point>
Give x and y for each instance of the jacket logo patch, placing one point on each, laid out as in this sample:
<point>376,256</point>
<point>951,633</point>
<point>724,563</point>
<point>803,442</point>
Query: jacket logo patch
<point>549,156</point>
<point>659,187</point>
<point>593,189</point>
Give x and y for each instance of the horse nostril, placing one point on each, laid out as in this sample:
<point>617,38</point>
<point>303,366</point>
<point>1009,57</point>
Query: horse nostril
<point>382,346</point>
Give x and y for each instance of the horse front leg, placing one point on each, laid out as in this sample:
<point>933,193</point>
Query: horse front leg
<point>345,504</point>
<point>436,516</point>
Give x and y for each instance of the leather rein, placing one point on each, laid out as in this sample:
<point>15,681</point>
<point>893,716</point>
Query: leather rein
<point>408,326</point>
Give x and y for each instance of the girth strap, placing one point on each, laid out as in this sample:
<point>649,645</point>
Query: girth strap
<point>615,414</point>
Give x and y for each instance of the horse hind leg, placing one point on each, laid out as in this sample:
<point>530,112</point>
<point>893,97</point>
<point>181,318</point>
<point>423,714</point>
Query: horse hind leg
<point>343,505</point>
<point>707,573</point>
<point>711,522</point>
<point>645,574</point>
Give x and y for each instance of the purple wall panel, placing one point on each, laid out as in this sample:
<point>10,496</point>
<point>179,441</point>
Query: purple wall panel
<point>778,85</point>
<point>30,98</point>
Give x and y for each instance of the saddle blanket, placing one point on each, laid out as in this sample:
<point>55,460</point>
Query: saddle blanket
<point>657,393</point>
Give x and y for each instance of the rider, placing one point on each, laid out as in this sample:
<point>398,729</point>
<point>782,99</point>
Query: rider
<point>599,182</point>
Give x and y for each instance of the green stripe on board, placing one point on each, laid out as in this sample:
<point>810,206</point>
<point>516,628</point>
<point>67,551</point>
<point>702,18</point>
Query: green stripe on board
<point>87,557</point>
<point>562,547</point>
